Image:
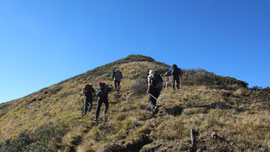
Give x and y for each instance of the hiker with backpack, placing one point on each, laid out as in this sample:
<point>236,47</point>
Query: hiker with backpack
<point>176,74</point>
<point>155,85</point>
<point>102,93</point>
<point>117,76</point>
<point>88,92</point>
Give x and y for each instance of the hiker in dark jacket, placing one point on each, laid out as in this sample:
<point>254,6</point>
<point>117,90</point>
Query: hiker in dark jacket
<point>155,85</point>
<point>117,76</point>
<point>88,92</point>
<point>102,93</point>
<point>176,74</point>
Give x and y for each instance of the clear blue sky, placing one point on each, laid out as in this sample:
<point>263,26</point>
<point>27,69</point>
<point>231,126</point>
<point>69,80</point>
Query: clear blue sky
<point>46,41</point>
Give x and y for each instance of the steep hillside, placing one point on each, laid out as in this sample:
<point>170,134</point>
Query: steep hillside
<point>50,120</point>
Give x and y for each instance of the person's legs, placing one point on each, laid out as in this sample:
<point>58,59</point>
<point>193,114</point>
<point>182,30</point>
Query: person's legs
<point>98,109</point>
<point>85,107</point>
<point>90,104</point>
<point>177,83</point>
<point>115,84</point>
<point>173,83</point>
<point>156,95</point>
<point>152,101</point>
<point>106,102</point>
<point>118,85</point>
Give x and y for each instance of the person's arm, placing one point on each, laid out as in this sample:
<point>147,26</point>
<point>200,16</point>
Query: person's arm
<point>93,91</point>
<point>98,92</point>
<point>148,89</point>
<point>148,85</point>
<point>84,91</point>
<point>113,74</point>
<point>168,72</point>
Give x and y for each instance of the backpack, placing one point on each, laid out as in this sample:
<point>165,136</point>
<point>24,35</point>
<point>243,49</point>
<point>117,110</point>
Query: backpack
<point>118,75</point>
<point>103,91</point>
<point>156,81</point>
<point>88,92</point>
<point>176,72</point>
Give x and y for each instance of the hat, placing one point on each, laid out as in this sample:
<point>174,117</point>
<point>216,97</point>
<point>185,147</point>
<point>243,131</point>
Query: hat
<point>152,72</point>
<point>101,83</point>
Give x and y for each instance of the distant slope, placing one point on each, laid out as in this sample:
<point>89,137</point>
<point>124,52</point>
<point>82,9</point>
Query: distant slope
<point>50,119</point>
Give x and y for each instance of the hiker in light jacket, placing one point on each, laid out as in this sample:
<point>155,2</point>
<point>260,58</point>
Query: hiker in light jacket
<point>155,85</point>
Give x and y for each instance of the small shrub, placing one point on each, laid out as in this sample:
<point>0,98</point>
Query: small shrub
<point>45,138</point>
<point>140,86</point>
<point>202,77</point>
<point>256,88</point>
<point>67,93</point>
<point>175,111</point>
<point>121,117</point>
<point>144,73</point>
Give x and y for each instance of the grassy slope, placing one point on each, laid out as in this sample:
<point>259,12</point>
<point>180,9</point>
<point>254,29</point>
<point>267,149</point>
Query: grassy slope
<point>206,103</point>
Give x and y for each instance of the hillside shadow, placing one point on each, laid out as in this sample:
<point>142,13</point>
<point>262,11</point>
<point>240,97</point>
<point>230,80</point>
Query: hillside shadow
<point>174,111</point>
<point>134,146</point>
<point>217,105</point>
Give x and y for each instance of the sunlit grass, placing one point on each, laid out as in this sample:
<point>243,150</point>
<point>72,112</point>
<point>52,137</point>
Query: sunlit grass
<point>232,114</point>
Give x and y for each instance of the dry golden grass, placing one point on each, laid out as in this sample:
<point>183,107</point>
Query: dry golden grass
<point>228,113</point>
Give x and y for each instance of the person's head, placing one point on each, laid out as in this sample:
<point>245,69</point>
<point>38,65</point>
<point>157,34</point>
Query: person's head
<point>101,83</point>
<point>87,86</point>
<point>152,72</point>
<point>174,66</point>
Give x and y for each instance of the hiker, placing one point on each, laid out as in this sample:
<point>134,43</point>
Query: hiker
<point>88,91</point>
<point>155,85</point>
<point>176,74</point>
<point>117,76</point>
<point>102,93</point>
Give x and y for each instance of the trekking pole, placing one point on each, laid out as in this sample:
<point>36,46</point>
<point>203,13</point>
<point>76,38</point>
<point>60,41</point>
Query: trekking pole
<point>180,85</point>
<point>166,85</point>
<point>165,89</point>
<point>154,97</point>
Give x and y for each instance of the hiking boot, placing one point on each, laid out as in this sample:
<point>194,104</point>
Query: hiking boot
<point>155,110</point>
<point>89,109</point>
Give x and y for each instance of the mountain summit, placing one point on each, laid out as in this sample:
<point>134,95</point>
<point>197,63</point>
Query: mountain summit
<point>225,114</point>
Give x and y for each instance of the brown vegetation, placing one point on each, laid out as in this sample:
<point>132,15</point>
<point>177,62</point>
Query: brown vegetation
<point>51,119</point>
